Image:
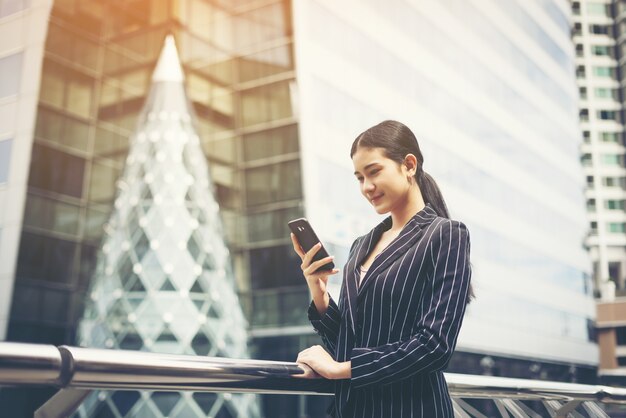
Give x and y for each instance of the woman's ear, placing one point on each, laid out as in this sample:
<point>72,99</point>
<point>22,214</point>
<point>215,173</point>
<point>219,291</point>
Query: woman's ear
<point>410,162</point>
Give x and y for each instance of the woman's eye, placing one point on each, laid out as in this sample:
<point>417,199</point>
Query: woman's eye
<point>374,172</point>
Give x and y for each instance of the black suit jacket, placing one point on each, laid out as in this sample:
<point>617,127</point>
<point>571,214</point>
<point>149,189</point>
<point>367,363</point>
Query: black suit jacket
<point>399,327</point>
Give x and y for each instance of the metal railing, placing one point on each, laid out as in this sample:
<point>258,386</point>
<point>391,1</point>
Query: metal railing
<point>78,371</point>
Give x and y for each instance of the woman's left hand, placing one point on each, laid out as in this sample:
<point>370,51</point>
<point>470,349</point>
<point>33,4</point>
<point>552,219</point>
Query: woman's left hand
<point>323,364</point>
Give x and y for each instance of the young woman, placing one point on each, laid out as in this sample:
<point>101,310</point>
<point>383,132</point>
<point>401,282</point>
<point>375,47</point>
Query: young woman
<point>404,292</point>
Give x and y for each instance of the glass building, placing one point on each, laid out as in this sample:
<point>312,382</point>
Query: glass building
<point>280,89</point>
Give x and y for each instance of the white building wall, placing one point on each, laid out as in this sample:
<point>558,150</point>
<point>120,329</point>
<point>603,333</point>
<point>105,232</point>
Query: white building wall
<point>23,27</point>
<point>488,87</point>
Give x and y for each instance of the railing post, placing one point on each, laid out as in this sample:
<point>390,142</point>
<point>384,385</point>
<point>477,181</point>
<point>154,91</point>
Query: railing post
<point>63,404</point>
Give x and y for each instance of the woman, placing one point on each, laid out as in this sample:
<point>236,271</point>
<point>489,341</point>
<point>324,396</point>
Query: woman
<point>404,292</point>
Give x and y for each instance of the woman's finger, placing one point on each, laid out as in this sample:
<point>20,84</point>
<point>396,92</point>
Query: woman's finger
<point>309,373</point>
<point>309,254</point>
<point>319,263</point>
<point>296,245</point>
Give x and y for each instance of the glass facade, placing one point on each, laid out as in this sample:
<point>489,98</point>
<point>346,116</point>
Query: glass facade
<point>238,62</point>
<point>239,72</point>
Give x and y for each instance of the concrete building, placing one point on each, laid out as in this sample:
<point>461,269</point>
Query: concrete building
<point>598,34</point>
<point>280,89</point>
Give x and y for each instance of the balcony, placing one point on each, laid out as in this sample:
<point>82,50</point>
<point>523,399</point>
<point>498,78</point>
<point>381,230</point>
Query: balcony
<point>78,371</point>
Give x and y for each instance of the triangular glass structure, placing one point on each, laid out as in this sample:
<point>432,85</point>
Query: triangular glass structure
<point>163,239</point>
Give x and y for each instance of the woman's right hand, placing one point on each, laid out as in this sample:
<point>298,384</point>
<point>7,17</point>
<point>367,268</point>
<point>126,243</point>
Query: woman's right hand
<point>315,280</point>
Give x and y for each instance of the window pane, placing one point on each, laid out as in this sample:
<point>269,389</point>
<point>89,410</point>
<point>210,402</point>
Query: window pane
<point>262,24</point>
<point>598,9</point>
<point>275,266</point>
<point>46,258</point>
<point>270,143</point>
<point>266,103</point>
<point>270,225</point>
<point>603,71</point>
<point>51,215</point>
<point>265,63</point>
<point>102,184</point>
<point>5,159</point>
<point>56,171</point>
<point>11,70</point>
<point>273,183</point>
<point>61,129</point>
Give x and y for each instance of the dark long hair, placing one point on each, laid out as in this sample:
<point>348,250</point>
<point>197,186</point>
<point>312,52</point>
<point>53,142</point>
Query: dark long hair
<point>397,140</point>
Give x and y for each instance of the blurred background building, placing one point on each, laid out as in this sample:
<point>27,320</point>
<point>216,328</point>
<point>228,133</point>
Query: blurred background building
<point>280,89</point>
<point>599,36</point>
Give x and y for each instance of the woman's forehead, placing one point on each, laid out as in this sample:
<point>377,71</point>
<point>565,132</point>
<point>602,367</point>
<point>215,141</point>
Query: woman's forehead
<point>367,156</point>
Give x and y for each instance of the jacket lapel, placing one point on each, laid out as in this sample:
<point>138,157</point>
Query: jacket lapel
<point>407,237</point>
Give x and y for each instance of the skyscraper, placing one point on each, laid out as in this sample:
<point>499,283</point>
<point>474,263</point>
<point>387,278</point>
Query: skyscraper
<point>597,31</point>
<point>280,90</point>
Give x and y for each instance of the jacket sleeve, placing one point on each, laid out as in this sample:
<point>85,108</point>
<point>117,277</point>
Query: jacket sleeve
<point>328,325</point>
<point>437,326</point>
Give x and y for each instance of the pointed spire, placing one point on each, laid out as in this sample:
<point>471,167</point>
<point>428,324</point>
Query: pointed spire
<point>168,68</point>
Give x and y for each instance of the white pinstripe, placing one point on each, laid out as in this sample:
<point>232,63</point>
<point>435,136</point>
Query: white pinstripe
<point>394,351</point>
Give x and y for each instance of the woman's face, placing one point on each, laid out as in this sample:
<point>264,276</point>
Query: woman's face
<point>383,181</point>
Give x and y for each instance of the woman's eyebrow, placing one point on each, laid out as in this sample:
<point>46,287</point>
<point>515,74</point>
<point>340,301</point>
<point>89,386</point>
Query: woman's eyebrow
<point>367,166</point>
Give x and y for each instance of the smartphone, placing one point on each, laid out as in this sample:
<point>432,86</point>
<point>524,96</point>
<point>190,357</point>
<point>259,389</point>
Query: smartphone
<point>307,239</point>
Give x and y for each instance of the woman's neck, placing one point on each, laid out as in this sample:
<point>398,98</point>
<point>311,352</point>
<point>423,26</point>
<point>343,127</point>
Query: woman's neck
<point>402,215</point>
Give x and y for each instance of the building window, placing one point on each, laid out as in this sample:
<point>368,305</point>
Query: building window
<point>601,50</point>
<point>614,182</point>
<point>577,30</point>
<point>593,226</point>
<point>615,271</point>
<point>607,114</point>
<point>576,8</point>
<point>590,182</point>
<point>603,71</point>
<point>5,159</point>
<point>599,29</point>
<point>580,71</point>
<point>52,170</point>
<point>611,159</point>
<point>582,92</point>
<point>617,227</point>
<point>620,334</point>
<point>591,205</point>
<point>579,50</point>
<point>609,137</point>
<point>614,204</point>
<point>11,70</point>
<point>598,9</point>
<point>584,115</point>
<point>585,160</point>
<point>586,137</point>
<point>605,93</point>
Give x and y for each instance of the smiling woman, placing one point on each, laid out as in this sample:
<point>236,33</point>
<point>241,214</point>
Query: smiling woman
<point>405,288</point>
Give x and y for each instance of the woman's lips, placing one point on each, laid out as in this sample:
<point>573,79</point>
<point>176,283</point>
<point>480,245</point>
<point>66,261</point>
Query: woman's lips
<point>376,198</point>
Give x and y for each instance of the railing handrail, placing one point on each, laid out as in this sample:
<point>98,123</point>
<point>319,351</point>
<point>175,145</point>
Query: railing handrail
<point>92,368</point>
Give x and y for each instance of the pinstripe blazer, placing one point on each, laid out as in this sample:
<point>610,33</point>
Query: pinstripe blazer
<point>399,327</point>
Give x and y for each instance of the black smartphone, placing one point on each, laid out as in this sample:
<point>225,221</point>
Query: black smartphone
<point>307,239</point>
